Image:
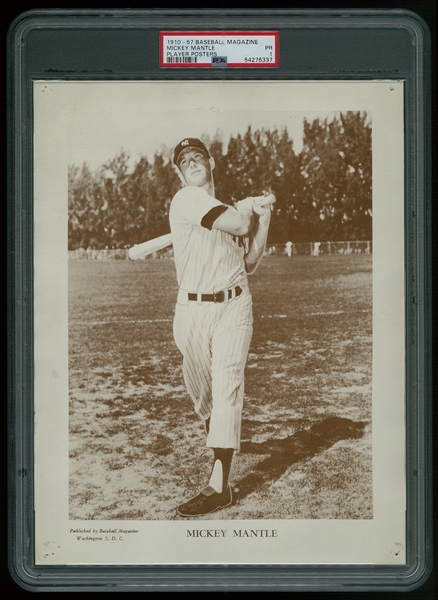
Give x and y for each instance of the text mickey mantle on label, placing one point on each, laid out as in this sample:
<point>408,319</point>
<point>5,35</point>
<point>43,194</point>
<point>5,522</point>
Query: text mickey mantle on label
<point>200,49</point>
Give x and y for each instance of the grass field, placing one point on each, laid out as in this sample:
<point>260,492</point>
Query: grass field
<point>136,447</point>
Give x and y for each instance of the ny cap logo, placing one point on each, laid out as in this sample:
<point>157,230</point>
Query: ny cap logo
<point>186,143</point>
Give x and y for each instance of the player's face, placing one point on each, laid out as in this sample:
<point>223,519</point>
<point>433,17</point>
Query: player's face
<point>195,167</point>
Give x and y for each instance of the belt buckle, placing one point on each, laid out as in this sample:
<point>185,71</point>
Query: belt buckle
<point>218,296</point>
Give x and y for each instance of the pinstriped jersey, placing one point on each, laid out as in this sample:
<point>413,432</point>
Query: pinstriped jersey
<point>206,260</point>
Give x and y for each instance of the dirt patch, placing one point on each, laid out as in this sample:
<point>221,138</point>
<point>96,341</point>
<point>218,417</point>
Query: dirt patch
<point>136,447</point>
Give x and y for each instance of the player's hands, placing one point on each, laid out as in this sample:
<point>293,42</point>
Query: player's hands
<point>260,205</point>
<point>245,205</point>
<point>263,205</point>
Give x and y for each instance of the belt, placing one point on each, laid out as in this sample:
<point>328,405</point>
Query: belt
<point>221,296</point>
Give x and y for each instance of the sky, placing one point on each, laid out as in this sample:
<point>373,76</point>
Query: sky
<point>147,117</point>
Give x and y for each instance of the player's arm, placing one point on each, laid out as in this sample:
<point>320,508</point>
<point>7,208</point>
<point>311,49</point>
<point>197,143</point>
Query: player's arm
<point>194,205</point>
<point>228,219</point>
<point>257,239</point>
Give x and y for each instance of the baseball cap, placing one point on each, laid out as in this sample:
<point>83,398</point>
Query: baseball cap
<point>188,143</point>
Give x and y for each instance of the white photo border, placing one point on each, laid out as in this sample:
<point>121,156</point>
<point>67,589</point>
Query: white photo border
<point>380,541</point>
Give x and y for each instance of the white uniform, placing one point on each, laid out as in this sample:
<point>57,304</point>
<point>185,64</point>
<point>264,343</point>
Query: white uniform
<point>213,337</point>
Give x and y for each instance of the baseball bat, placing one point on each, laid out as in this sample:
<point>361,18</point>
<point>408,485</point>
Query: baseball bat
<point>158,243</point>
<point>151,246</point>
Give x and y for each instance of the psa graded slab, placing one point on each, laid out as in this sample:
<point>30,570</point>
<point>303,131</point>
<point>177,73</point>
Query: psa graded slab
<point>220,308</point>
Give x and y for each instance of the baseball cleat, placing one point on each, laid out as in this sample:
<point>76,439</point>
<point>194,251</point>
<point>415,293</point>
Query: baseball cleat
<point>206,502</point>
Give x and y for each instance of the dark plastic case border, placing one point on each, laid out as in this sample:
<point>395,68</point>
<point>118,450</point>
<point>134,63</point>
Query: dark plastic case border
<point>381,44</point>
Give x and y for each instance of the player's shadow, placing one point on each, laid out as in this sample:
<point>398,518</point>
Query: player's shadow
<point>300,446</point>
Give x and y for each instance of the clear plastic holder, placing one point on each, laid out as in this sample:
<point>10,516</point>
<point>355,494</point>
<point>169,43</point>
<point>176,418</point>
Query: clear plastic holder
<point>76,80</point>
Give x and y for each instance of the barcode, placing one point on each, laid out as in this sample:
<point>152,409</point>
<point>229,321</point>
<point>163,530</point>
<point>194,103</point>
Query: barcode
<point>182,59</point>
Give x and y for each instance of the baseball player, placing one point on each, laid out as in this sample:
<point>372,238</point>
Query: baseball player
<point>215,246</point>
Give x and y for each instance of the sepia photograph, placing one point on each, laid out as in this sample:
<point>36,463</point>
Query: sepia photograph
<point>224,343</point>
<point>269,404</point>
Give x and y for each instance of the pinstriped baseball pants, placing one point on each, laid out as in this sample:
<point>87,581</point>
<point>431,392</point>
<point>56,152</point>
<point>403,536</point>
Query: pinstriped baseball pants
<point>214,340</point>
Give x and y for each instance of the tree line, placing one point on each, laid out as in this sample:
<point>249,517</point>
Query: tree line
<point>324,192</point>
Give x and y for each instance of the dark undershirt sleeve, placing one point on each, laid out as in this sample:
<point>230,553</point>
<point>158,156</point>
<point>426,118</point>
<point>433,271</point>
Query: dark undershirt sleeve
<point>209,218</point>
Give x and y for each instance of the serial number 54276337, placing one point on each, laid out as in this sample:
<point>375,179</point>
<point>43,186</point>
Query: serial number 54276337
<point>258,59</point>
